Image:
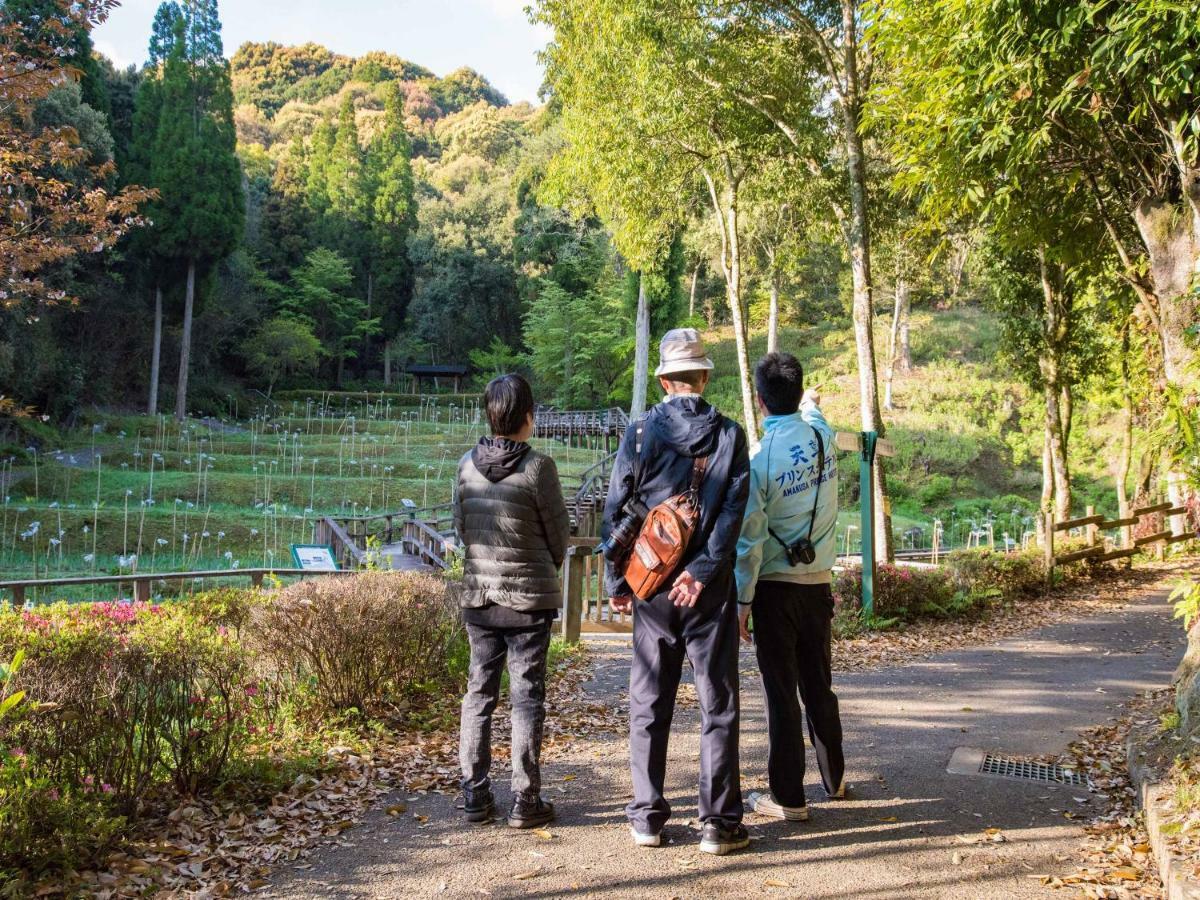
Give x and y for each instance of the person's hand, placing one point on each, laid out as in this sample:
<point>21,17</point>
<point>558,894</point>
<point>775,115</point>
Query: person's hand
<point>686,590</point>
<point>744,622</point>
<point>622,604</point>
<point>812,395</point>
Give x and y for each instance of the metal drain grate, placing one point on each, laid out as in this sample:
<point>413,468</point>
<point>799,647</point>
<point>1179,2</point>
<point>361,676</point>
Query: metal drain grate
<point>969,761</point>
<point>1004,767</point>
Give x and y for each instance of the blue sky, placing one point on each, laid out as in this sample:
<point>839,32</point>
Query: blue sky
<point>493,37</point>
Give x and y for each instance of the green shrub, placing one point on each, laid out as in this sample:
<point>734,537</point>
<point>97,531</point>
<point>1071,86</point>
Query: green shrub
<point>45,827</point>
<point>904,593</point>
<point>126,694</point>
<point>935,489</point>
<point>986,575</point>
<point>357,644</point>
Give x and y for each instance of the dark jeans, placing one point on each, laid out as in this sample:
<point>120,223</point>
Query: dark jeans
<point>662,634</point>
<point>792,631</point>
<point>525,650</point>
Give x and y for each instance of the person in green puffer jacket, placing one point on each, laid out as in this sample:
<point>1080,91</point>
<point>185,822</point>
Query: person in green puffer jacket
<point>512,521</point>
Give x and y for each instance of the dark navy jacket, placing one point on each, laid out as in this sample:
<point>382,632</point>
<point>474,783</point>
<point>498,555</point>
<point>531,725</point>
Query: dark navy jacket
<point>677,431</point>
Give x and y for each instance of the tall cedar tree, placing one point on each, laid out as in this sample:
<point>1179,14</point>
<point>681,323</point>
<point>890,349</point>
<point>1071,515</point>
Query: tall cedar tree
<point>201,212</point>
<point>153,271</point>
<point>395,215</point>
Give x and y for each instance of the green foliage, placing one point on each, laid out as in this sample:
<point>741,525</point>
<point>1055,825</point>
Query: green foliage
<point>9,698</point>
<point>1185,597</point>
<point>462,88</point>
<point>322,296</point>
<point>281,347</point>
<point>497,358</point>
<point>200,210</point>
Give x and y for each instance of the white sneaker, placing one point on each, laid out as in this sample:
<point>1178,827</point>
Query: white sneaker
<point>840,793</point>
<point>645,840</point>
<point>766,805</point>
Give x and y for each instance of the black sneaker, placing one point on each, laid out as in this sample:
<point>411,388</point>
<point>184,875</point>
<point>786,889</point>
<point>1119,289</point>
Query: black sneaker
<point>479,805</point>
<point>530,811</point>
<point>720,839</point>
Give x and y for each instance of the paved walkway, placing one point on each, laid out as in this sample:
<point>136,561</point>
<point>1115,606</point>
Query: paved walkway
<point>905,833</point>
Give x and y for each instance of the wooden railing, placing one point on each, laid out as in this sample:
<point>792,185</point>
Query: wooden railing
<point>567,424</point>
<point>143,583</point>
<point>423,541</point>
<point>1099,549</point>
<point>585,601</point>
<point>588,503</point>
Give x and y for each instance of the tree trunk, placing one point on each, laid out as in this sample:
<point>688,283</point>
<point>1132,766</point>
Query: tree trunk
<point>155,352</point>
<point>341,368</point>
<point>641,355</point>
<point>899,317</point>
<point>1047,484</point>
<point>1058,455</point>
<point>1125,460</point>
<point>1171,234</point>
<point>692,294</point>
<point>185,343</point>
<point>858,238</point>
<point>725,206</point>
<point>773,315</point>
<point>387,364</point>
<point>1057,395</point>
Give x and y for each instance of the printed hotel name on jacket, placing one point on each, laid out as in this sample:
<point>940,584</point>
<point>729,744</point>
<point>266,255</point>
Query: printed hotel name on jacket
<point>802,468</point>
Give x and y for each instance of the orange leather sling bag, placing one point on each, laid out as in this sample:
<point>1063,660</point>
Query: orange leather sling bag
<point>665,537</point>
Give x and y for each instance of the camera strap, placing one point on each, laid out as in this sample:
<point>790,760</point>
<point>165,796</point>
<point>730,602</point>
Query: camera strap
<point>812,522</point>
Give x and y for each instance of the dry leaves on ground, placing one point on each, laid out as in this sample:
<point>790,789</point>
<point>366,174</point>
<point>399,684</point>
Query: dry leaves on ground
<point>208,849</point>
<point>1117,861</point>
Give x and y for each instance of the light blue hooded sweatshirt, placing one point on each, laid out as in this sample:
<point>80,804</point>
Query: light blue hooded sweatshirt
<point>783,488</point>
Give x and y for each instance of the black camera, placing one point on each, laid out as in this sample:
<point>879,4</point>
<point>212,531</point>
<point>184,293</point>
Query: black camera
<point>627,525</point>
<point>801,553</point>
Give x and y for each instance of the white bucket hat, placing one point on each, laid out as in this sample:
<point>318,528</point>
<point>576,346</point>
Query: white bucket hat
<point>681,350</point>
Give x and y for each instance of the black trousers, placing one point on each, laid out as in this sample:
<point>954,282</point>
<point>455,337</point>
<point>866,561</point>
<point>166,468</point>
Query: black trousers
<point>708,635</point>
<point>792,632</point>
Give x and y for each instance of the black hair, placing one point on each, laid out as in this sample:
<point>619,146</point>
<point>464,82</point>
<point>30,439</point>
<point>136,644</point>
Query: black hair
<point>509,401</point>
<point>779,378</point>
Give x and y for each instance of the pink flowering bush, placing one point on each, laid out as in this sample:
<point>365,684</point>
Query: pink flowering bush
<point>901,592</point>
<point>122,701</point>
<point>130,707</point>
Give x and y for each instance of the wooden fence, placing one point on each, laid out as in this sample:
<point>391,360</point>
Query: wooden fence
<point>143,584</point>
<point>1100,549</point>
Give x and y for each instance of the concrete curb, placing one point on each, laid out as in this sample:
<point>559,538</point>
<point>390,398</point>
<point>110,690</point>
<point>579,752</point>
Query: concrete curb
<point>1151,795</point>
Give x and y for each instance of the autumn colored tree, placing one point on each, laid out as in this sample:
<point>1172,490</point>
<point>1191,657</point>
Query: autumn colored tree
<point>50,214</point>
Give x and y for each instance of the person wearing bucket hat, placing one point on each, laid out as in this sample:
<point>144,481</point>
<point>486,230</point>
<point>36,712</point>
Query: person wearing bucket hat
<point>695,611</point>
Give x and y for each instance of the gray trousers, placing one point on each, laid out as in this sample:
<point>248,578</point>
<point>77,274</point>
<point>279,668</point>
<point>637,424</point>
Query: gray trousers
<point>662,634</point>
<point>525,650</point>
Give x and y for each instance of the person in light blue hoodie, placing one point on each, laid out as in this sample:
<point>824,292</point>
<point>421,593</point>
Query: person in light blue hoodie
<point>784,572</point>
